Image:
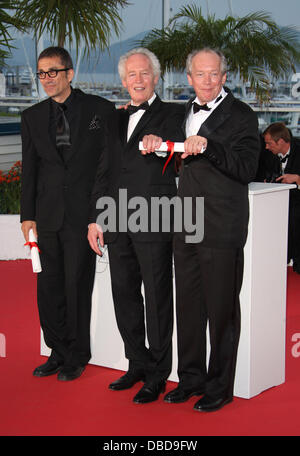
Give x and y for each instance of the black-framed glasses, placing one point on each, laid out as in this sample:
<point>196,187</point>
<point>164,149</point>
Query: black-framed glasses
<point>50,73</point>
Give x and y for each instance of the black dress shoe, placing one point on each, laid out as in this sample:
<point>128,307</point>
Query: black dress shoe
<point>149,393</point>
<point>180,394</point>
<point>70,373</point>
<point>296,267</point>
<point>127,381</point>
<point>208,404</point>
<point>49,368</point>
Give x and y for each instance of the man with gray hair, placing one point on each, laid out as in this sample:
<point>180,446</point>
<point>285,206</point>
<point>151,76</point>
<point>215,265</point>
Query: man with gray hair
<point>219,160</point>
<point>140,257</point>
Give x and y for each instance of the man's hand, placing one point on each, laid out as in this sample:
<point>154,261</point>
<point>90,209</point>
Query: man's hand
<point>95,237</point>
<point>289,179</point>
<point>151,143</point>
<point>194,145</point>
<point>26,226</point>
<point>124,106</point>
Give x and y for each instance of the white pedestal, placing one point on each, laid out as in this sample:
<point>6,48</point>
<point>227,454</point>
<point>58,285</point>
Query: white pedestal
<point>11,239</point>
<point>261,355</point>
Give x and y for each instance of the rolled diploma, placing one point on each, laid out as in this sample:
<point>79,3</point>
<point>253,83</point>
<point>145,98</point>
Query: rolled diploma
<point>178,147</point>
<point>35,256</point>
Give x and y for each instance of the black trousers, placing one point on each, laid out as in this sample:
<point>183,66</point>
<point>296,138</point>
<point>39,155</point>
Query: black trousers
<point>64,291</point>
<point>133,264</point>
<point>208,283</point>
<point>294,234</point>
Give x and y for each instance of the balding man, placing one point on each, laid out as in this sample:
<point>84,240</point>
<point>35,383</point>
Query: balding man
<point>220,159</point>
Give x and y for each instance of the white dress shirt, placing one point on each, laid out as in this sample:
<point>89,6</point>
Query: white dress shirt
<point>283,164</point>
<point>136,117</point>
<point>194,121</point>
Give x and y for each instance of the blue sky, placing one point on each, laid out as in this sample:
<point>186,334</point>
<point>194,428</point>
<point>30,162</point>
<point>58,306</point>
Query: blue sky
<point>147,14</point>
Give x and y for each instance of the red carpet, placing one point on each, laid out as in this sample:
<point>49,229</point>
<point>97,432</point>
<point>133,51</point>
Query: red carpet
<point>46,407</point>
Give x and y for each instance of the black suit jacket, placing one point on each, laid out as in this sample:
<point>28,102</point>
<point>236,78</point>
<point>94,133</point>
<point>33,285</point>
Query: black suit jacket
<point>269,168</point>
<point>124,167</point>
<point>54,189</point>
<point>222,172</point>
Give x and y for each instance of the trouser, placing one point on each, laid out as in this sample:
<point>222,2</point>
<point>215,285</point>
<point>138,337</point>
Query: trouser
<point>64,291</point>
<point>294,234</point>
<point>133,264</point>
<point>208,283</point>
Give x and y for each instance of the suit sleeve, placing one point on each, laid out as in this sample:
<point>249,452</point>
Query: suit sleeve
<point>170,127</point>
<point>237,155</point>
<point>29,173</point>
<point>101,181</point>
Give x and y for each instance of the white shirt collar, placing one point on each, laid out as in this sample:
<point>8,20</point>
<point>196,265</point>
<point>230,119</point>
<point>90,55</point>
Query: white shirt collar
<point>135,118</point>
<point>282,156</point>
<point>150,101</point>
<point>213,104</point>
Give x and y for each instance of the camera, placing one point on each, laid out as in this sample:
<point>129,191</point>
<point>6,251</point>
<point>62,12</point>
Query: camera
<point>271,178</point>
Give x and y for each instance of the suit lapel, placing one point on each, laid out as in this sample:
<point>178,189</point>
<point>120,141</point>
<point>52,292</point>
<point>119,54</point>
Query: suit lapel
<point>146,117</point>
<point>123,126</point>
<point>290,161</point>
<point>44,126</point>
<point>217,117</point>
<point>78,111</point>
<point>188,106</point>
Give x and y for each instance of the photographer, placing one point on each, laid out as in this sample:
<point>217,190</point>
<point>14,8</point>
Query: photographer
<point>280,163</point>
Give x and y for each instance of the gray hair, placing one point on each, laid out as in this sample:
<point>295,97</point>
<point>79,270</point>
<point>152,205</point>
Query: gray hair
<point>189,60</point>
<point>152,58</point>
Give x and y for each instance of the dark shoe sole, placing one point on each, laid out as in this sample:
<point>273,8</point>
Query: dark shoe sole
<point>122,388</point>
<point>196,393</point>
<point>213,409</point>
<point>46,374</point>
<point>67,378</point>
<point>145,400</point>
<point>119,387</point>
<point>148,401</point>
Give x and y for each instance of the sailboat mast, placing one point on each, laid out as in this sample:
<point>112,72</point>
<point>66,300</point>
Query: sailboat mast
<point>165,21</point>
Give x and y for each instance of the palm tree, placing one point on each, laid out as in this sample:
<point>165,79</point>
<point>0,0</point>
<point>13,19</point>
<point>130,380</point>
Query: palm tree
<point>8,21</point>
<point>257,50</point>
<point>90,22</point>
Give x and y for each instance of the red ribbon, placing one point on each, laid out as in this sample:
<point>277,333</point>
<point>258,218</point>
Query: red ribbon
<point>32,244</point>
<point>170,145</point>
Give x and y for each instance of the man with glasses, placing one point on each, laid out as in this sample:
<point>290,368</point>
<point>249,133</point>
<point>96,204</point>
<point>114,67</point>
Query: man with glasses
<point>62,140</point>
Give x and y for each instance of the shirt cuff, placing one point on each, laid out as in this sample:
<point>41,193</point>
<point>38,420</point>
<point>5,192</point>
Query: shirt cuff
<point>161,154</point>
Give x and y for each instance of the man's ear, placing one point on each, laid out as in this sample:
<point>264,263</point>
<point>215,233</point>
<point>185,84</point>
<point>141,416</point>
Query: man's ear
<point>70,75</point>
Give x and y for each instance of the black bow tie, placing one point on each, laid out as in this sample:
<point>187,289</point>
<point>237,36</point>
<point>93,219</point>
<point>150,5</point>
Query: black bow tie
<point>197,107</point>
<point>284,159</point>
<point>132,109</point>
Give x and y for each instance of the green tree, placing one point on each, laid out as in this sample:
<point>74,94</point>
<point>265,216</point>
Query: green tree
<point>256,48</point>
<point>87,22</point>
<point>7,22</point>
